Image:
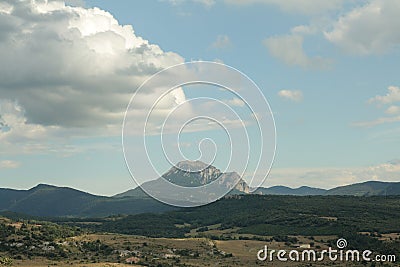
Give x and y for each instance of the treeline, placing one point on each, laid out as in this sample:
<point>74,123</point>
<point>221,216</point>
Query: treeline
<point>272,215</point>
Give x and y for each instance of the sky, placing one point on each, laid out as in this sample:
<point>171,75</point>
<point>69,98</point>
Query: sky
<point>68,70</point>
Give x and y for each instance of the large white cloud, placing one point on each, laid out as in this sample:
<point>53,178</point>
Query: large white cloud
<point>369,29</point>
<point>69,72</point>
<point>71,66</point>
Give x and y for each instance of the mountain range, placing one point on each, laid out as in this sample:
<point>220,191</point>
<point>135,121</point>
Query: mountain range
<point>370,188</point>
<point>51,201</point>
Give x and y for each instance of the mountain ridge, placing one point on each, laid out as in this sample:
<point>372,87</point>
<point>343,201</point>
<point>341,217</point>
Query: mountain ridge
<point>53,201</point>
<point>285,190</point>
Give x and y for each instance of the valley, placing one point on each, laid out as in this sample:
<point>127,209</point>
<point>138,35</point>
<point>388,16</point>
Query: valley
<point>228,232</point>
<point>49,225</point>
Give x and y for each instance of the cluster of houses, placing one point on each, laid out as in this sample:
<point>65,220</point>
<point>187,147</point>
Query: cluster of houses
<point>134,256</point>
<point>45,246</point>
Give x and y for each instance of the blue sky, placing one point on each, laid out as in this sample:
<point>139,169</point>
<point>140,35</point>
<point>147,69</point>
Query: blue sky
<point>329,70</point>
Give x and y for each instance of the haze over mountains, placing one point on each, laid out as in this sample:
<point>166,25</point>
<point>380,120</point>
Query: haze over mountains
<point>52,201</point>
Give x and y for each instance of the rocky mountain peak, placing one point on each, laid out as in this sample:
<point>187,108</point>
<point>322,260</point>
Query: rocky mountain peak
<point>192,166</point>
<point>197,173</point>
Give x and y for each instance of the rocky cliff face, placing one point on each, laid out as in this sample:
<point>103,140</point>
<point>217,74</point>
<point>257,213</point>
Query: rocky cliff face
<point>197,173</point>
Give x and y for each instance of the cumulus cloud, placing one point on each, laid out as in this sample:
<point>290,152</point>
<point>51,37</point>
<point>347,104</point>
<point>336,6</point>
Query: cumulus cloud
<point>9,164</point>
<point>364,30</point>
<point>71,66</point>
<point>222,41</point>
<point>294,95</point>
<point>17,136</point>
<point>289,49</point>
<point>69,72</point>
<point>15,127</point>
<point>369,29</point>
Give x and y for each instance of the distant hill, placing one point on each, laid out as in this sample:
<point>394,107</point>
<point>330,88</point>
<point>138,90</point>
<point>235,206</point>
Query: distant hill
<point>9,197</point>
<point>51,201</point>
<point>136,192</point>
<point>371,188</point>
<point>284,190</point>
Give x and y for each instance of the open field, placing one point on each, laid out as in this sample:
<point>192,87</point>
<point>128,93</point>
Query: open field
<point>180,252</point>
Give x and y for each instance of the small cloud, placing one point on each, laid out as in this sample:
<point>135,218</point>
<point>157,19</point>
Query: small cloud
<point>377,121</point>
<point>222,41</point>
<point>393,110</point>
<point>289,49</point>
<point>294,95</point>
<point>9,164</point>
<point>184,14</point>
<point>206,3</point>
<point>218,60</point>
<point>304,29</point>
<point>174,2</point>
<point>235,102</point>
<point>392,96</point>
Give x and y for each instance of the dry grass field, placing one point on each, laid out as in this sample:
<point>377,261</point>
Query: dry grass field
<point>182,252</point>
